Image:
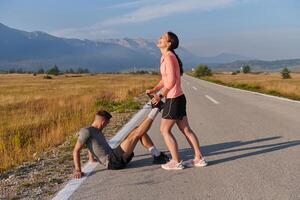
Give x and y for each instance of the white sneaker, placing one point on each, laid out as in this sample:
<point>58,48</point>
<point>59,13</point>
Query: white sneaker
<point>173,165</point>
<point>195,162</point>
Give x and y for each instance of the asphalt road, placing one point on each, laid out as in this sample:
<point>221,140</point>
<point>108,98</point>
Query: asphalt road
<point>252,143</point>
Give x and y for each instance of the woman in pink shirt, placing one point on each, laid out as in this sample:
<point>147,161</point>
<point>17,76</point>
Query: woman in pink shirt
<point>175,106</point>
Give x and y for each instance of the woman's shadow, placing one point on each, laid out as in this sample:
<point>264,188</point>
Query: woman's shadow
<point>226,148</point>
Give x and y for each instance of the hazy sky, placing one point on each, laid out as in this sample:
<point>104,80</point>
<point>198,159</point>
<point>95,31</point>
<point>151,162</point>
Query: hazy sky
<point>265,29</point>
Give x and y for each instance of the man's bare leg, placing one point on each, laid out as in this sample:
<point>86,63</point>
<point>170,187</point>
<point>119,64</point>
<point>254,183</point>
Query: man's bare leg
<point>146,141</point>
<point>130,142</point>
<point>158,156</point>
<point>134,136</point>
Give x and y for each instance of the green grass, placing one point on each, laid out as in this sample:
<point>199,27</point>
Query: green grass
<point>117,106</point>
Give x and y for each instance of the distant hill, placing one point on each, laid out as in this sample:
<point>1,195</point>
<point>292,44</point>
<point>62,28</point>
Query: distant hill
<point>32,50</point>
<point>223,58</point>
<point>260,65</point>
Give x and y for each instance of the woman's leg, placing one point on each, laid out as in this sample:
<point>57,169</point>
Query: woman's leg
<point>184,127</point>
<point>165,129</point>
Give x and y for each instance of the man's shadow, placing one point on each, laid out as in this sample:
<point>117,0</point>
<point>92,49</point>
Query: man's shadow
<point>225,148</point>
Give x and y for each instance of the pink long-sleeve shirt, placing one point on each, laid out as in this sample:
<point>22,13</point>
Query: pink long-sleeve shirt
<point>170,71</point>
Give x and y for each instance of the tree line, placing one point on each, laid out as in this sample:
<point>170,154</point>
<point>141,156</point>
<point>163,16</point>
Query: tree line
<point>204,70</point>
<point>52,71</point>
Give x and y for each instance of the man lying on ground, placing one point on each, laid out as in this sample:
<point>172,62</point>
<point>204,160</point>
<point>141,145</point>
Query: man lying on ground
<point>119,157</point>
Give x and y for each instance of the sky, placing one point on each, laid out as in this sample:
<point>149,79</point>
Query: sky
<point>261,29</point>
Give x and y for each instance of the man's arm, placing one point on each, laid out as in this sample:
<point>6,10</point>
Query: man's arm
<point>76,158</point>
<point>91,157</point>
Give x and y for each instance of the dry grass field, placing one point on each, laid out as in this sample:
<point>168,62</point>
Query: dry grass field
<point>37,113</point>
<point>269,83</point>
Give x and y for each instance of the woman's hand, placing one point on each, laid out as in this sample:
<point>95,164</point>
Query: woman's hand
<point>78,174</point>
<point>150,91</point>
<point>155,99</point>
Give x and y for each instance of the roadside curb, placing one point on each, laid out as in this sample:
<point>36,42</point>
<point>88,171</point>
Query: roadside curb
<point>88,168</point>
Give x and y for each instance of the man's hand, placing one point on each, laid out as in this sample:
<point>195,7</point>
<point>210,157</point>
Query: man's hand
<point>78,174</point>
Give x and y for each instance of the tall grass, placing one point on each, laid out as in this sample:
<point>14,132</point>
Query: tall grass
<point>269,83</point>
<point>36,113</point>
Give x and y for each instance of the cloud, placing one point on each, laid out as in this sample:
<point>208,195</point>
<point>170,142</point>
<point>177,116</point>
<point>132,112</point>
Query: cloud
<point>131,4</point>
<point>142,11</point>
<point>92,33</point>
<point>166,8</point>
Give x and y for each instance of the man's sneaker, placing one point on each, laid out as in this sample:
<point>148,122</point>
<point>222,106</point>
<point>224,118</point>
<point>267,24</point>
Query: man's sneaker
<point>173,165</point>
<point>161,159</point>
<point>159,105</point>
<point>195,162</point>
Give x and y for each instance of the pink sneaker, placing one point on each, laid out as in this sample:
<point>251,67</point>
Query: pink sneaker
<point>195,162</point>
<point>173,165</point>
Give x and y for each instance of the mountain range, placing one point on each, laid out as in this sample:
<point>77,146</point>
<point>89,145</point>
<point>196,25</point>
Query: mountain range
<point>261,65</point>
<point>33,50</point>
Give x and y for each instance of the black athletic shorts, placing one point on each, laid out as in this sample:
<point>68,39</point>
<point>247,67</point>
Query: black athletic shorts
<point>116,160</point>
<point>175,108</point>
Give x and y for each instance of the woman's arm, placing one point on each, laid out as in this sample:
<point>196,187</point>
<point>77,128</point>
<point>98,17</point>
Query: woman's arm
<point>156,88</point>
<point>159,86</point>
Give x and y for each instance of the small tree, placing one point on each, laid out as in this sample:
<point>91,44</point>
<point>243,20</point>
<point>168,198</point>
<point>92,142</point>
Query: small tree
<point>285,73</point>
<point>20,71</point>
<point>71,71</point>
<point>246,69</point>
<point>41,71</point>
<point>202,70</point>
<point>54,70</point>
<point>12,71</point>
<point>86,71</point>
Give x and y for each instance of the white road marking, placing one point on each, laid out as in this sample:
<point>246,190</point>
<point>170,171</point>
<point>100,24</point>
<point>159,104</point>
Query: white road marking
<point>210,98</point>
<point>195,88</point>
<point>73,184</point>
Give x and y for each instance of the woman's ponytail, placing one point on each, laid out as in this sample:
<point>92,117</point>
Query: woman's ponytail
<point>179,62</point>
<point>174,45</point>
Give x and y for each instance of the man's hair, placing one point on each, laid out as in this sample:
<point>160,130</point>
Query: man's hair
<point>104,114</point>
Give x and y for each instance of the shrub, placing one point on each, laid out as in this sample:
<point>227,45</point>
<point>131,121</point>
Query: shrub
<point>53,71</point>
<point>246,69</point>
<point>41,71</point>
<point>285,73</point>
<point>202,70</point>
<point>47,77</point>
